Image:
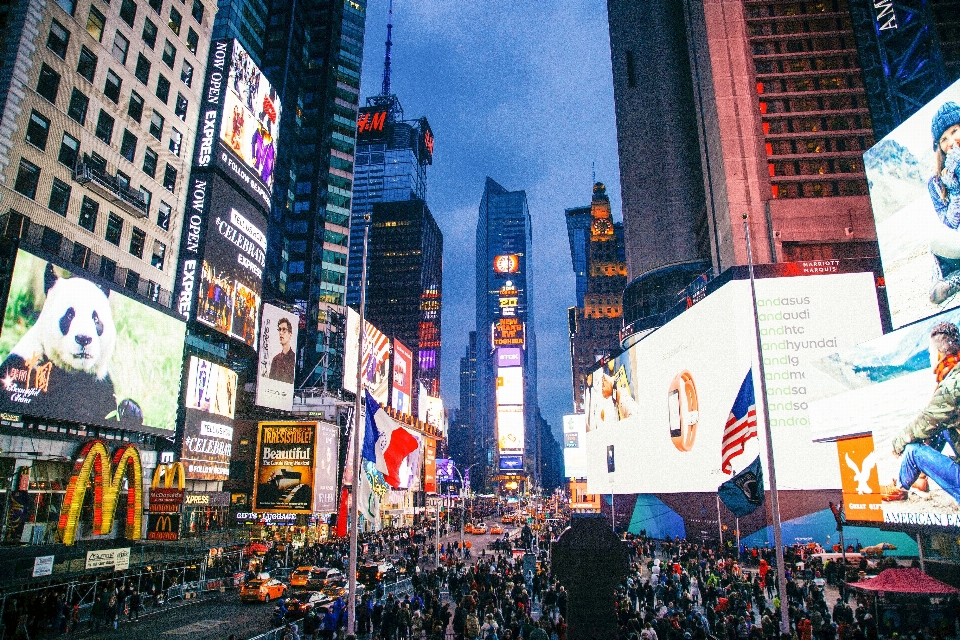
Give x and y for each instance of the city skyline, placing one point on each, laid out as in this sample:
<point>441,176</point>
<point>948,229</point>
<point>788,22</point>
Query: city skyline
<point>522,95</point>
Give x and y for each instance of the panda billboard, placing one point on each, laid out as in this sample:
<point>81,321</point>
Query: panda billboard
<point>75,350</point>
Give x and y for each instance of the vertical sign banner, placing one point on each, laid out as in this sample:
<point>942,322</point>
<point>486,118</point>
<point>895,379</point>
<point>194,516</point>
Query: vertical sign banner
<point>430,465</point>
<point>376,359</point>
<point>402,386</point>
<point>574,446</point>
<point>285,467</point>
<point>325,481</point>
<point>277,364</point>
<point>208,429</point>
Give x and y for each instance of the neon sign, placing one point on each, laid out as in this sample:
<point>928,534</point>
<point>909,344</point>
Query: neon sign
<point>94,467</point>
<point>371,122</point>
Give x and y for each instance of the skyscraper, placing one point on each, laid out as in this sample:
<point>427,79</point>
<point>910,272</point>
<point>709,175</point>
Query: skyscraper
<point>596,322</point>
<point>505,329</point>
<point>405,284</point>
<point>578,232</point>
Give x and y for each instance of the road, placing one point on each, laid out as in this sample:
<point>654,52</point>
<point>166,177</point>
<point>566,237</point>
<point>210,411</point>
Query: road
<point>217,615</point>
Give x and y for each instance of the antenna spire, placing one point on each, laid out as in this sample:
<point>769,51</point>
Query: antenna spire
<point>593,168</point>
<point>385,88</point>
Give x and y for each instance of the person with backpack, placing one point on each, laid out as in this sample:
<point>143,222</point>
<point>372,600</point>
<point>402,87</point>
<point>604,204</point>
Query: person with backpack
<point>471,627</point>
<point>490,628</point>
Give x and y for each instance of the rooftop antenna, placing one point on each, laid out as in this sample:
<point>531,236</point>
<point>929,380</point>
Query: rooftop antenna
<point>385,87</point>
<point>593,167</point>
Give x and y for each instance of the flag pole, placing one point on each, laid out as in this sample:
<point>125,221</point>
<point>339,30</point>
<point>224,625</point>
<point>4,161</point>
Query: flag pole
<point>355,454</point>
<point>771,469</point>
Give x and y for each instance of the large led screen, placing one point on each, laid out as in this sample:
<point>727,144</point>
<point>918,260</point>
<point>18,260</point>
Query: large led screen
<point>915,196</point>
<point>574,446</point>
<point>375,370</point>
<point>510,430</point>
<point>669,397</point>
<point>210,401</point>
<point>430,410</point>
<point>509,385</point>
<point>890,420</point>
<point>295,467</point>
<point>75,350</point>
<point>402,384</point>
<point>277,364</point>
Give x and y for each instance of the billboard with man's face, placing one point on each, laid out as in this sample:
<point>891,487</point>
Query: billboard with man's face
<point>73,349</point>
<point>277,364</point>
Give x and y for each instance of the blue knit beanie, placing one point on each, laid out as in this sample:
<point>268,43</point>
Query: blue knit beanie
<point>947,116</point>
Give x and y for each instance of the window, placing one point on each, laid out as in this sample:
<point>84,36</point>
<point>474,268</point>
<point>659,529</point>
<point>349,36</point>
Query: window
<point>48,84</point>
<point>193,40</point>
<point>631,70</point>
<point>37,130</point>
<point>128,145</point>
<point>111,87</point>
<point>51,240</point>
<point>58,38</point>
<point>163,88</point>
<point>87,66</point>
<point>114,229</point>
<point>163,216</point>
<point>142,71</point>
<point>159,254</point>
<point>105,126</point>
<point>108,269</point>
<point>169,55</point>
<point>123,180</point>
<point>176,138</point>
<point>67,5</point>
<point>81,255</point>
<point>156,5</point>
<point>186,74</point>
<point>175,20</point>
<point>156,125</point>
<point>120,47</point>
<point>135,108</point>
<point>69,150</point>
<point>97,161</point>
<point>150,162</point>
<point>28,175</point>
<point>133,280</point>
<point>147,198</point>
<point>89,209</point>
<point>78,106</point>
<point>149,33</point>
<point>128,11</point>
<point>169,178</point>
<point>181,107</point>
<point>138,240</point>
<point>59,197</point>
<point>95,24</point>
<point>197,11</point>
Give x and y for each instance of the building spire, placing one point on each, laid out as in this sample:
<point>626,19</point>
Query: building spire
<point>385,87</point>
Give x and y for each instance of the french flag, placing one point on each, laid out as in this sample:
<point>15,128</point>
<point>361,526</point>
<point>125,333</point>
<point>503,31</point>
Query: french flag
<point>386,443</point>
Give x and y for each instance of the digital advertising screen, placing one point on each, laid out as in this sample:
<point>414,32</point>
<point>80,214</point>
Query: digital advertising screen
<point>889,421</point>
<point>574,446</point>
<point>76,350</point>
<point>672,394</point>
<point>511,463</point>
<point>401,397</point>
<point>510,430</point>
<point>325,478</point>
<point>375,372</point>
<point>430,410</point>
<point>913,176</point>
<point>239,121</point>
<point>210,403</point>
<point>285,467</point>
<point>277,362</point>
<point>430,465</point>
<point>445,470</point>
<point>509,385</point>
<point>509,357</point>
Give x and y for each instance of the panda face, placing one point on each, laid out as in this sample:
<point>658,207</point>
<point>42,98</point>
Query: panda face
<point>78,333</point>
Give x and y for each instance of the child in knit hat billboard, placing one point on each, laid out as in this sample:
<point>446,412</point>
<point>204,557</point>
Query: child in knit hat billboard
<point>914,179</point>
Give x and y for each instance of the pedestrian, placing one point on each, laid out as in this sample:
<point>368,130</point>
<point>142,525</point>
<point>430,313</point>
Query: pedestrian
<point>135,603</point>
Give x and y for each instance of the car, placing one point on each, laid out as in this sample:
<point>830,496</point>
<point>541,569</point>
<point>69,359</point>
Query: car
<point>372,573</point>
<point>507,518</point>
<point>260,590</point>
<point>338,589</point>
<point>496,529</point>
<point>320,576</point>
<point>303,602</point>
<point>468,528</point>
<point>480,528</point>
<point>301,576</point>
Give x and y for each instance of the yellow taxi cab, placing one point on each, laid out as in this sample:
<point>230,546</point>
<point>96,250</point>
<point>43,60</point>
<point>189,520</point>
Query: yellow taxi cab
<point>496,529</point>
<point>479,529</point>
<point>262,590</point>
<point>301,575</point>
<point>507,518</point>
<point>468,528</point>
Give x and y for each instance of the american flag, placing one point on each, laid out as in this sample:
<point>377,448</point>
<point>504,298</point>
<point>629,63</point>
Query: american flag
<point>741,425</point>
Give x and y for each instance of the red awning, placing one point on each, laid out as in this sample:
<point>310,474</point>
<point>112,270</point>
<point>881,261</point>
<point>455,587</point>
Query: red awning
<point>905,581</point>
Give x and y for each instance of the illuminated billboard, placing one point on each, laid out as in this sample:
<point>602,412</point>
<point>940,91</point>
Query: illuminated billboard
<point>222,257</point>
<point>277,362</point>
<point>671,395</point>
<point>208,429</point>
<point>296,467</point>
<point>74,349</point>
<point>375,371</point>
<point>511,463</point>
<point>509,385</point>
<point>239,121</point>
<point>508,332</point>
<point>574,446</point>
<point>372,123</point>
<point>509,263</point>
<point>430,410</point>
<point>913,176</point>
<point>885,411</point>
<point>510,430</point>
<point>401,397</point>
<point>509,357</point>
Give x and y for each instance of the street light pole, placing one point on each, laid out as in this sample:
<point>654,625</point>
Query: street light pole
<point>357,436</point>
<point>463,504</point>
